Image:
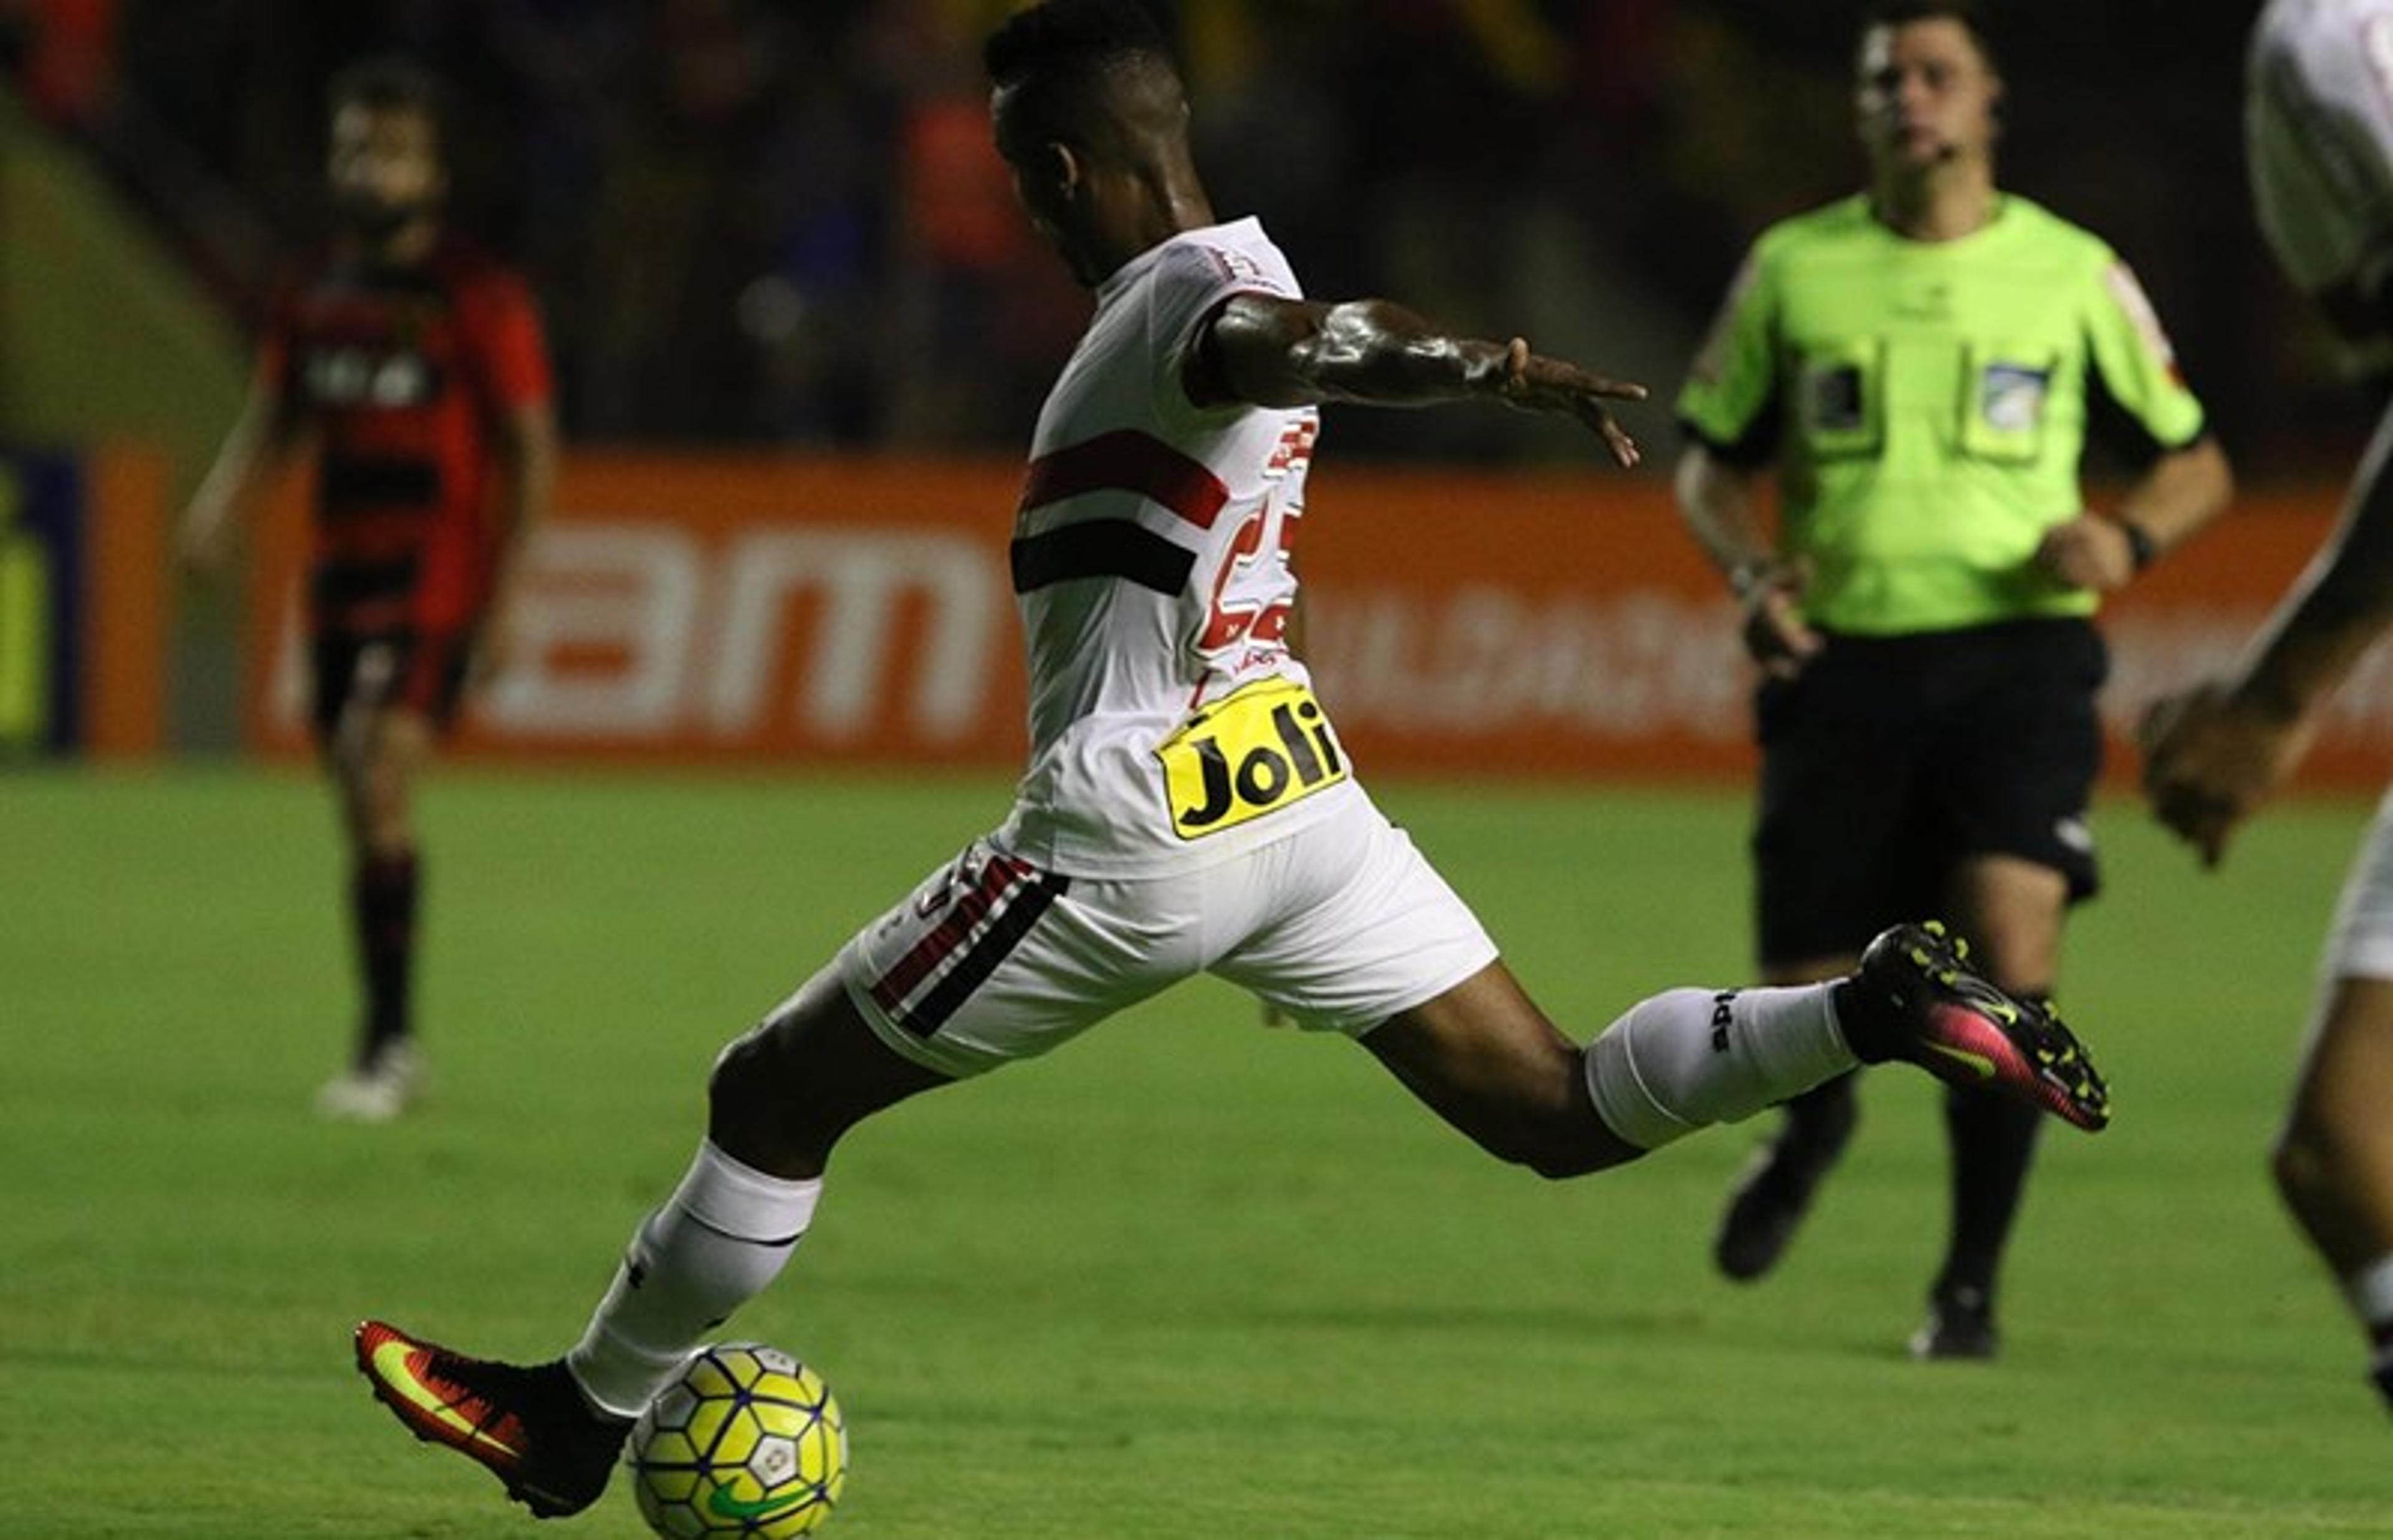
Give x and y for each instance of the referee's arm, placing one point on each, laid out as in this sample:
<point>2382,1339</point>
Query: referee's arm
<point>1717,497</point>
<point>2179,492</point>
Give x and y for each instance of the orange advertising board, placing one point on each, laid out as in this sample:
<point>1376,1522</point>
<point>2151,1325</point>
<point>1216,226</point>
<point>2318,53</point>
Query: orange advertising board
<point>808,611</point>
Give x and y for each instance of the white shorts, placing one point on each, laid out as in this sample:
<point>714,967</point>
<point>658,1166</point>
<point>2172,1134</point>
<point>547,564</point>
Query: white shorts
<point>2361,945</point>
<point>1340,925</point>
<point>2319,132</point>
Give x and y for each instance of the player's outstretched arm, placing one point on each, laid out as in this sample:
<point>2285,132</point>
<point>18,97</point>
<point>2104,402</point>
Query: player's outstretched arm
<point>1273,352</point>
<point>2214,753</point>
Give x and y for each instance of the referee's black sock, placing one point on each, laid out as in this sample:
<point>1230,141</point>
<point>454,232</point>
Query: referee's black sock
<point>1993,1144</point>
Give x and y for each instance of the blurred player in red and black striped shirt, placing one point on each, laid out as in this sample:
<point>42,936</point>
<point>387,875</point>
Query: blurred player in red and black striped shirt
<point>412,366</point>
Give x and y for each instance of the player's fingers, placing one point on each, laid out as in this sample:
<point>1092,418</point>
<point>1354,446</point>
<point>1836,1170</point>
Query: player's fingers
<point>1617,390</point>
<point>1517,359</point>
<point>1617,438</point>
<point>1566,380</point>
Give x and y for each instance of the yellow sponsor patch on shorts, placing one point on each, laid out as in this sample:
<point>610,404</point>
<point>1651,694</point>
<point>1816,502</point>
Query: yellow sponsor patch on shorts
<point>1258,748</point>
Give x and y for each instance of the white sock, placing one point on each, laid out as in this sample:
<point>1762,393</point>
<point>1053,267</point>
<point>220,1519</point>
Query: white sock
<point>1688,1058</point>
<point>719,1240</point>
<point>2371,1293</point>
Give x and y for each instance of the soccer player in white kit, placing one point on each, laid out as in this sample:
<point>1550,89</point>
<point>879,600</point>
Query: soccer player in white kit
<point>2318,114</point>
<point>1188,805</point>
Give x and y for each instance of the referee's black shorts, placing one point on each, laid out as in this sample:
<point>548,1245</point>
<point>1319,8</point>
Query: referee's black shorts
<point>1888,761</point>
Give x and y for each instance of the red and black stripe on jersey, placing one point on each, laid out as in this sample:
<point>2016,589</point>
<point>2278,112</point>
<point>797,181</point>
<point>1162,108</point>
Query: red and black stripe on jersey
<point>407,373</point>
<point>1125,460</point>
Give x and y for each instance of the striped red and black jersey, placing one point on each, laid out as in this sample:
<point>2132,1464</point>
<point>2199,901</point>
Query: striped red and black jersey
<point>406,373</point>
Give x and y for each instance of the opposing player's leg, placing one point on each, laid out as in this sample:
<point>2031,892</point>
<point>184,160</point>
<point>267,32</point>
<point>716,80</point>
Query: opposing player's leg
<point>2334,1159</point>
<point>2012,908</point>
<point>376,746</point>
<point>1775,1191</point>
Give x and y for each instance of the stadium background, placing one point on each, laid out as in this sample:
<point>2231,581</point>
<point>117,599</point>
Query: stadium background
<point>1189,1279</point>
<point>767,233</point>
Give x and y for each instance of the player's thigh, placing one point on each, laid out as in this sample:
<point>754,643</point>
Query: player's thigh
<point>377,742</point>
<point>2359,941</point>
<point>2018,746</point>
<point>1834,844</point>
<point>1341,926</point>
<point>994,959</point>
<point>2345,1079</point>
<point>2343,1093</point>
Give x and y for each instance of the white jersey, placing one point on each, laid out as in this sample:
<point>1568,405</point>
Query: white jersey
<point>2318,125</point>
<point>1170,727</point>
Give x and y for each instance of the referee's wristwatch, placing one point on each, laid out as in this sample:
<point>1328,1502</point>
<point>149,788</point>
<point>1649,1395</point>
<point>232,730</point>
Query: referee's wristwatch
<point>1750,579</point>
<point>2142,550</point>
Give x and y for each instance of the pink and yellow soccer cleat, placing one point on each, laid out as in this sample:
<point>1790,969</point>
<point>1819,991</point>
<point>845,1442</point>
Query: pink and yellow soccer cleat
<point>1931,1010</point>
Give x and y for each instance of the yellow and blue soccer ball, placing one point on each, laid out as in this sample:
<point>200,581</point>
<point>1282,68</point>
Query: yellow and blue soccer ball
<point>747,1443</point>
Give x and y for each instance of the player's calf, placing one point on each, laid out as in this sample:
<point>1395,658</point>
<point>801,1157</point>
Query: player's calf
<point>1690,1058</point>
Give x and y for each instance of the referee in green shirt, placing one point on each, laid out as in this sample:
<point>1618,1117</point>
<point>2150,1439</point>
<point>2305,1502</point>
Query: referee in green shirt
<point>1916,366</point>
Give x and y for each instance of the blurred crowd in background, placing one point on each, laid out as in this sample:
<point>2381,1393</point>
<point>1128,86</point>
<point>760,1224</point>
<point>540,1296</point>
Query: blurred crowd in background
<point>782,223</point>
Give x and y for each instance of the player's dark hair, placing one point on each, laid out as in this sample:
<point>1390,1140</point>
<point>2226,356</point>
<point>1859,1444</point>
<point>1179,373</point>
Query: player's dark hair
<point>1971,14</point>
<point>390,84</point>
<point>1075,39</point>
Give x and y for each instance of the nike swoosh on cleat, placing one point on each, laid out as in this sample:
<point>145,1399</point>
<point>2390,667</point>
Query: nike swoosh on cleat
<point>1977,1061</point>
<point>723,1505</point>
<point>391,1369</point>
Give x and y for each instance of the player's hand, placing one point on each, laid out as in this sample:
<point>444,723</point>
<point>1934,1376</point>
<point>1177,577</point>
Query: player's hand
<point>499,646</point>
<point>2212,757</point>
<point>1775,632</point>
<point>200,544</point>
<point>1535,383</point>
<point>2088,552</point>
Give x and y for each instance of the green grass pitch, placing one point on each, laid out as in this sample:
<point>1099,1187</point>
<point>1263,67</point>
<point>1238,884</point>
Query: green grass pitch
<point>1191,1277</point>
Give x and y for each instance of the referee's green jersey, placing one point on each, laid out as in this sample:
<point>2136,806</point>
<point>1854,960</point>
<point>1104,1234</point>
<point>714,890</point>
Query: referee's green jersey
<point>1925,404</point>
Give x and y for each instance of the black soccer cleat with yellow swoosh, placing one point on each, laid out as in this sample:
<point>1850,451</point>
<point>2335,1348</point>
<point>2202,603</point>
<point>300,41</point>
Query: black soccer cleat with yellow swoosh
<point>527,1427</point>
<point>1915,998</point>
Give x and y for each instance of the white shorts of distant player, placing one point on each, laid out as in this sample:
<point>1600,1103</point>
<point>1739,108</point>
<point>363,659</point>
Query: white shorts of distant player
<point>1341,926</point>
<point>2361,943</point>
<point>2318,130</point>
